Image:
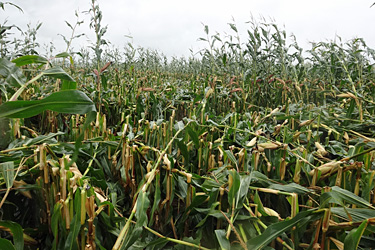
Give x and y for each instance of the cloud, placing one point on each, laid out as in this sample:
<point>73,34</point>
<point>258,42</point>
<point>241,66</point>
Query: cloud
<point>174,26</point>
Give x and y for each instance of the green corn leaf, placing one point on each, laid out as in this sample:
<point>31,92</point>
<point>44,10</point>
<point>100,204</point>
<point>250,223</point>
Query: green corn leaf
<point>75,225</point>
<point>259,203</point>
<point>11,73</point>
<point>68,85</point>
<point>290,188</point>
<point>17,232</point>
<point>143,204</point>
<point>184,150</point>
<point>58,73</point>
<point>357,214</point>
<point>277,229</point>
<point>350,197</point>
<point>223,241</point>
<point>258,177</point>
<point>43,139</point>
<point>183,186</point>
<point>224,59</point>
<point>156,244</point>
<point>350,110</point>
<point>71,240</point>
<point>193,240</point>
<point>193,135</point>
<point>236,183</point>
<point>352,239</point>
<point>338,195</point>
<point>208,211</point>
<point>62,55</point>
<point>67,101</point>
<point>6,244</point>
<point>7,169</point>
<point>243,190</point>
<point>12,4</point>
<point>56,219</point>
<point>5,132</point>
<point>132,236</point>
<point>231,157</point>
<point>157,197</point>
<point>206,29</point>
<point>29,59</point>
<point>233,26</point>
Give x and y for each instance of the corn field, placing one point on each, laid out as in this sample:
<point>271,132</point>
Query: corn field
<point>250,144</point>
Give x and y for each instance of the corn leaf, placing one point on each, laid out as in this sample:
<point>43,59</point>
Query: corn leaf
<point>290,188</point>
<point>243,190</point>
<point>132,236</point>
<point>67,101</point>
<point>357,214</point>
<point>68,85</point>
<point>29,59</point>
<point>352,239</point>
<point>143,204</point>
<point>11,73</point>
<point>233,190</point>
<point>193,135</point>
<point>62,55</point>
<point>223,241</point>
<point>157,197</point>
<point>231,157</point>
<point>7,169</point>
<point>277,229</point>
<point>338,195</point>
<point>50,138</point>
<point>75,225</point>
<point>6,244</point>
<point>17,232</point>
<point>5,132</point>
<point>58,73</point>
<point>55,220</point>
<point>208,212</point>
<point>183,148</point>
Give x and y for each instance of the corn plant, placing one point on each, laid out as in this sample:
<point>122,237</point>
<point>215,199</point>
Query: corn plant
<point>249,144</point>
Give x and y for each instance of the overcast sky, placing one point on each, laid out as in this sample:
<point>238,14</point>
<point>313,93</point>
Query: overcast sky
<point>174,27</point>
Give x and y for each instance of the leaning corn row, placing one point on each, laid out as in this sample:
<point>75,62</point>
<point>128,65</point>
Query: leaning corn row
<point>208,153</point>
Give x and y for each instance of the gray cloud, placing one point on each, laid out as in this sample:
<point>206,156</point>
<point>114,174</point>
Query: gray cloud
<point>173,27</point>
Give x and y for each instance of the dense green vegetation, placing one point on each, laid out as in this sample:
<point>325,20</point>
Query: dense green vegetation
<point>252,144</point>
